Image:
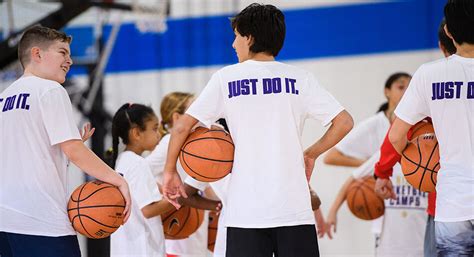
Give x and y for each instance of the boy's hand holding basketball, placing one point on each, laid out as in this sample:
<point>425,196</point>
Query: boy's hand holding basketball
<point>173,187</point>
<point>123,187</point>
<point>384,188</point>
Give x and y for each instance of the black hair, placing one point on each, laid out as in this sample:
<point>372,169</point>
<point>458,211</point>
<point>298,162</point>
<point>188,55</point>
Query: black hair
<point>444,40</point>
<point>388,85</point>
<point>460,20</point>
<point>265,24</point>
<point>127,117</point>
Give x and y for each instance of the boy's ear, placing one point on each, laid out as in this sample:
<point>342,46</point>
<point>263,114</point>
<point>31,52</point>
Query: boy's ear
<point>250,40</point>
<point>447,32</point>
<point>35,54</point>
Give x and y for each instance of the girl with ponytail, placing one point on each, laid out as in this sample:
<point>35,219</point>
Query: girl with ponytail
<point>137,126</point>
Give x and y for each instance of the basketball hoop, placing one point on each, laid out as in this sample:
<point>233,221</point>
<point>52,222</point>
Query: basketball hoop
<point>150,15</point>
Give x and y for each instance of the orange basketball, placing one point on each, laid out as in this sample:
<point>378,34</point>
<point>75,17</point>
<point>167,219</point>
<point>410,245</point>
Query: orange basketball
<point>212,230</point>
<point>362,200</point>
<point>95,209</point>
<point>180,224</point>
<point>207,155</point>
<point>420,162</point>
<point>421,128</point>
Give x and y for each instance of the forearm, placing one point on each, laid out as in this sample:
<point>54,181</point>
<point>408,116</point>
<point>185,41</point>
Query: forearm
<point>179,133</point>
<point>157,208</point>
<point>197,201</point>
<point>341,195</point>
<point>335,157</point>
<point>341,125</point>
<point>398,135</point>
<point>89,162</point>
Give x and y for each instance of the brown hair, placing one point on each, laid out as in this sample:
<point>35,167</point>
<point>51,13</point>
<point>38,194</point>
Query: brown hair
<point>172,103</point>
<point>41,37</point>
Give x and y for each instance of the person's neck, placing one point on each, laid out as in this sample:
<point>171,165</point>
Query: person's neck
<point>262,57</point>
<point>465,50</point>
<point>389,113</point>
<point>29,72</point>
<point>134,148</point>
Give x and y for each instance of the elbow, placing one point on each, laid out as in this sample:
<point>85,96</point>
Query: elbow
<point>393,138</point>
<point>181,128</point>
<point>347,122</point>
<point>71,148</point>
<point>147,214</point>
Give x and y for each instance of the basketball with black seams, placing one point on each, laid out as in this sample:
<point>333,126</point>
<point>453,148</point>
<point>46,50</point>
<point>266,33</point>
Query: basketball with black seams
<point>207,155</point>
<point>180,224</point>
<point>420,162</point>
<point>362,200</point>
<point>95,209</point>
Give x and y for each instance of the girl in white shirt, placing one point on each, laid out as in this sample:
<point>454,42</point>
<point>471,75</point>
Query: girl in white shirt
<point>172,107</point>
<point>137,126</point>
<point>401,231</point>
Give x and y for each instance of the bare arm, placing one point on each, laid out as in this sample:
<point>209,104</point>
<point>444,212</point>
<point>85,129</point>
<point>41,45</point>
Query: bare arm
<point>336,157</point>
<point>173,187</point>
<point>341,125</point>
<point>87,161</point>
<point>340,198</point>
<point>398,135</point>
<point>197,201</point>
<point>156,208</point>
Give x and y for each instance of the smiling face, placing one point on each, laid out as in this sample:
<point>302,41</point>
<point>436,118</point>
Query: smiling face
<point>53,62</point>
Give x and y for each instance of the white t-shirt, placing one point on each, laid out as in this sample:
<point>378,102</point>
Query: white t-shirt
<point>219,187</point>
<point>139,237</point>
<point>266,114</point>
<point>196,244</point>
<point>35,116</point>
<point>444,91</point>
<point>407,213</point>
<point>366,138</point>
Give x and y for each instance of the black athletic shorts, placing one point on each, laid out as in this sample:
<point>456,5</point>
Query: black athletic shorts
<point>293,241</point>
<point>19,245</point>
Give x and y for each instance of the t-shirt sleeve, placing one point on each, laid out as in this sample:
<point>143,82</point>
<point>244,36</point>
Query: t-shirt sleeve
<point>209,105</point>
<point>143,187</point>
<point>199,185</point>
<point>56,111</point>
<point>414,106</point>
<point>357,143</point>
<point>319,103</point>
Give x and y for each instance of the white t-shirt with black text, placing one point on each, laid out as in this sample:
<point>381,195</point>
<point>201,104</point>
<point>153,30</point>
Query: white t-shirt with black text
<point>35,117</point>
<point>139,236</point>
<point>444,91</point>
<point>265,105</point>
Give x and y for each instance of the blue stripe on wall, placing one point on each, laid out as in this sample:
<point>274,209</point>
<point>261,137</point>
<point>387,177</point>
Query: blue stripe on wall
<point>311,33</point>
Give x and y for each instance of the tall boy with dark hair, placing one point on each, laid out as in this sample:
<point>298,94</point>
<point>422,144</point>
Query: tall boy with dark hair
<point>444,91</point>
<point>265,104</point>
<point>38,135</point>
